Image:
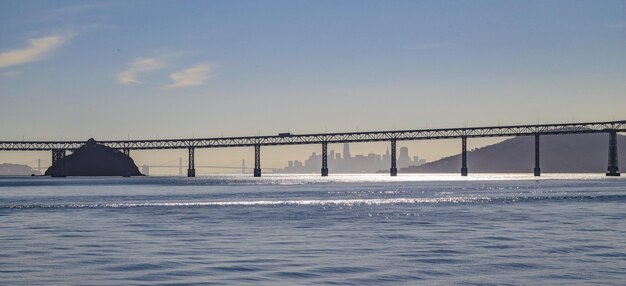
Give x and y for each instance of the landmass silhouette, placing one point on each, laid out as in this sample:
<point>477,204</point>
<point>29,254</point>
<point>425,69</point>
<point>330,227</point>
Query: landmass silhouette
<point>573,153</point>
<point>93,159</point>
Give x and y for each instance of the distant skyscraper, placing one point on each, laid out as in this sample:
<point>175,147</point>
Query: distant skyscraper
<point>404,160</point>
<point>404,152</point>
<point>145,169</point>
<point>346,151</point>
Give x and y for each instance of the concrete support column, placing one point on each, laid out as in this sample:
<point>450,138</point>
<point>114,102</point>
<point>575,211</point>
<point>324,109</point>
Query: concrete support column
<point>257,160</point>
<point>393,171</point>
<point>324,159</point>
<point>57,154</point>
<point>57,160</point>
<point>613,169</point>
<point>191,170</point>
<point>464,156</point>
<point>126,152</point>
<point>537,170</point>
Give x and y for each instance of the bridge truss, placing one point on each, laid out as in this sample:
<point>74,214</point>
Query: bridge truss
<point>59,148</point>
<point>297,139</point>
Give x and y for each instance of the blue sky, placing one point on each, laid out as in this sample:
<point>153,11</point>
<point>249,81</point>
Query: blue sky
<point>114,69</point>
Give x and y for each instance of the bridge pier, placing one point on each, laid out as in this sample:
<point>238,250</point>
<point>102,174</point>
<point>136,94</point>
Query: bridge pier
<point>126,152</point>
<point>393,171</point>
<point>464,156</point>
<point>612,170</point>
<point>57,155</point>
<point>191,171</point>
<point>257,160</point>
<point>537,170</point>
<point>324,159</point>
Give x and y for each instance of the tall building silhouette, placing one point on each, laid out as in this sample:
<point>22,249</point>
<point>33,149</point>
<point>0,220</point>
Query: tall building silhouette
<point>404,152</point>
<point>346,151</point>
<point>404,160</point>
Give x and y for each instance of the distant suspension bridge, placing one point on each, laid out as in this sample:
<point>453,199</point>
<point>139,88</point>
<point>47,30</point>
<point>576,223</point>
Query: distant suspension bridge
<point>145,168</point>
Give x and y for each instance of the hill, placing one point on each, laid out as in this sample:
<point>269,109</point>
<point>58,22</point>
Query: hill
<point>572,153</point>
<point>7,169</point>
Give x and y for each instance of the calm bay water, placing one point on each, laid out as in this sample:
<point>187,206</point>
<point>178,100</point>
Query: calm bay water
<point>344,229</point>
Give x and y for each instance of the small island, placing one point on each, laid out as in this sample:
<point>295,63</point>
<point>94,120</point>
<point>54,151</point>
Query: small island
<point>93,159</point>
<point>8,169</point>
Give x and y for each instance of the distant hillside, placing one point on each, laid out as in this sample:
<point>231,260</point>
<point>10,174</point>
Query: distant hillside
<point>575,153</point>
<point>16,170</point>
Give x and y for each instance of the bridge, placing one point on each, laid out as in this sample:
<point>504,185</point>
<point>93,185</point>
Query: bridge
<point>59,148</point>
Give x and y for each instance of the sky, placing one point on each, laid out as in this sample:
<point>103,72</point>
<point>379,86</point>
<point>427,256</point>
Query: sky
<point>74,70</point>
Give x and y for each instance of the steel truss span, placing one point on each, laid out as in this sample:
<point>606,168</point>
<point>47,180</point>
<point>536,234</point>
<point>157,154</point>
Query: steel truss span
<point>296,139</point>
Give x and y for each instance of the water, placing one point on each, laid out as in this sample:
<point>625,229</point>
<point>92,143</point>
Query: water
<point>349,229</point>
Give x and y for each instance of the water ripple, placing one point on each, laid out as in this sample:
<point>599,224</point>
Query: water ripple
<point>327,202</point>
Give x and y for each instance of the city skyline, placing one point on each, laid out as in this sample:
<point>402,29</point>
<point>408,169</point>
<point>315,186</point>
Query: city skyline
<point>347,163</point>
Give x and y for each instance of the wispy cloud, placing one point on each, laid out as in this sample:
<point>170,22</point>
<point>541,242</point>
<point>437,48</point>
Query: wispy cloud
<point>193,75</point>
<point>37,49</point>
<point>136,67</point>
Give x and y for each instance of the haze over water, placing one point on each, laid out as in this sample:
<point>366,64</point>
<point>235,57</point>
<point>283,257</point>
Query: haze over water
<point>344,229</point>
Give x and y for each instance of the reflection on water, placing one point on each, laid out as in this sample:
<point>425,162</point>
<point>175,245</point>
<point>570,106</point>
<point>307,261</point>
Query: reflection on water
<point>305,229</point>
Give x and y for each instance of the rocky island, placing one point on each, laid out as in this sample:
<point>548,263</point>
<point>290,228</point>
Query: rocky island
<point>93,159</point>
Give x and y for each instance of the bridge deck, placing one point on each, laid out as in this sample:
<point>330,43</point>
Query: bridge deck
<point>295,139</point>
